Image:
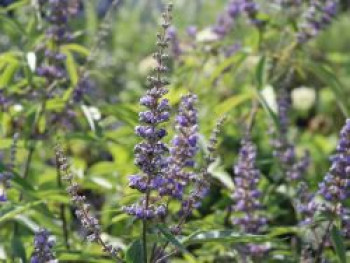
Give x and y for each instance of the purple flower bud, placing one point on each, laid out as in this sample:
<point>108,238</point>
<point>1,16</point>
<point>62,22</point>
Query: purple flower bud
<point>42,247</point>
<point>192,31</point>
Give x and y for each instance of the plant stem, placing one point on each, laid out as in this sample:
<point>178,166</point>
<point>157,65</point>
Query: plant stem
<point>319,251</point>
<point>144,224</point>
<point>144,239</point>
<point>62,210</point>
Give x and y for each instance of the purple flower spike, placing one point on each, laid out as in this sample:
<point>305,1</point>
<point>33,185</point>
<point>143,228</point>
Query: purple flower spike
<point>183,150</point>
<point>151,152</point>
<point>294,168</point>
<point>7,175</point>
<point>247,196</point>
<point>335,186</point>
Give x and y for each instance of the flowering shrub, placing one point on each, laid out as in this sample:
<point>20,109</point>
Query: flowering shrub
<point>228,140</point>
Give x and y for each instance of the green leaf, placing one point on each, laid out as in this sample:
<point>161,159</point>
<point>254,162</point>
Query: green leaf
<point>225,236</point>
<point>7,75</point>
<point>124,112</point>
<point>134,252</point>
<point>91,20</point>
<point>89,117</point>
<point>13,23</point>
<point>18,248</point>
<point>235,60</point>
<point>77,48</point>
<point>330,79</point>
<point>278,231</point>
<point>261,72</point>
<point>71,67</point>
<point>267,108</point>
<point>171,238</point>
<point>15,5</point>
<point>338,244</point>
<point>8,212</point>
<point>231,102</point>
<point>217,170</point>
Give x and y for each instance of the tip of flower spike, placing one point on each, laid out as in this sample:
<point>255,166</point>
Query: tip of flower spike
<point>3,197</point>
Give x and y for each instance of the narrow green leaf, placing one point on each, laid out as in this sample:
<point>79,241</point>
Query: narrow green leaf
<point>7,75</point>
<point>15,5</point>
<point>225,236</point>
<point>89,117</point>
<point>230,103</point>
<point>12,210</point>
<point>18,248</point>
<point>77,48</point>
<point>71,67</point>
<point>338,244</point>
<point>235,60</point>
<point>261,72</point>
<point>267,108</point>
<point>91,20</point>
<point>134,252</point>
<point>330,79</point>
<point>171,238</point>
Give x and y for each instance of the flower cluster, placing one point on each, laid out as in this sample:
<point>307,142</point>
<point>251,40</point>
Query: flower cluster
<point>176,50</point>
<point>284,150</point>
<point>89,222</point>
<point>318,16</point>
<point>234,9</point>
<point>305,203</point>
<point>150,154</point>
<point>335,186</point>
<point>247,196</point>
<point>43,248</point>
<point>84,86</point>
<point>183,150</point>
<point>4,101</point>
<point>201,182</point>
<point>58,33</point>
<point>7,175</point>
<point>226,20</point>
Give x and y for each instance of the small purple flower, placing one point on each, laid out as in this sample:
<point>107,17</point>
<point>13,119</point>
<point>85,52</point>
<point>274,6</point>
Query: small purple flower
<point>174,42</point>
<point>84,86</point>
<point>223,25</point>
<point>234,9</point>
<point>232,49</point>
<point>306,204</point>
<point>42,247</point>
<point>192,31</point>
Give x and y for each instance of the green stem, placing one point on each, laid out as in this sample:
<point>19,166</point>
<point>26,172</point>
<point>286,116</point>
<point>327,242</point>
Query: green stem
<point>144,239</point>
<point>62,210</point>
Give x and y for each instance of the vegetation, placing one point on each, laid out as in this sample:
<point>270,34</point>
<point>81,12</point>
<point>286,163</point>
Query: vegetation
<point>197,131</point>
